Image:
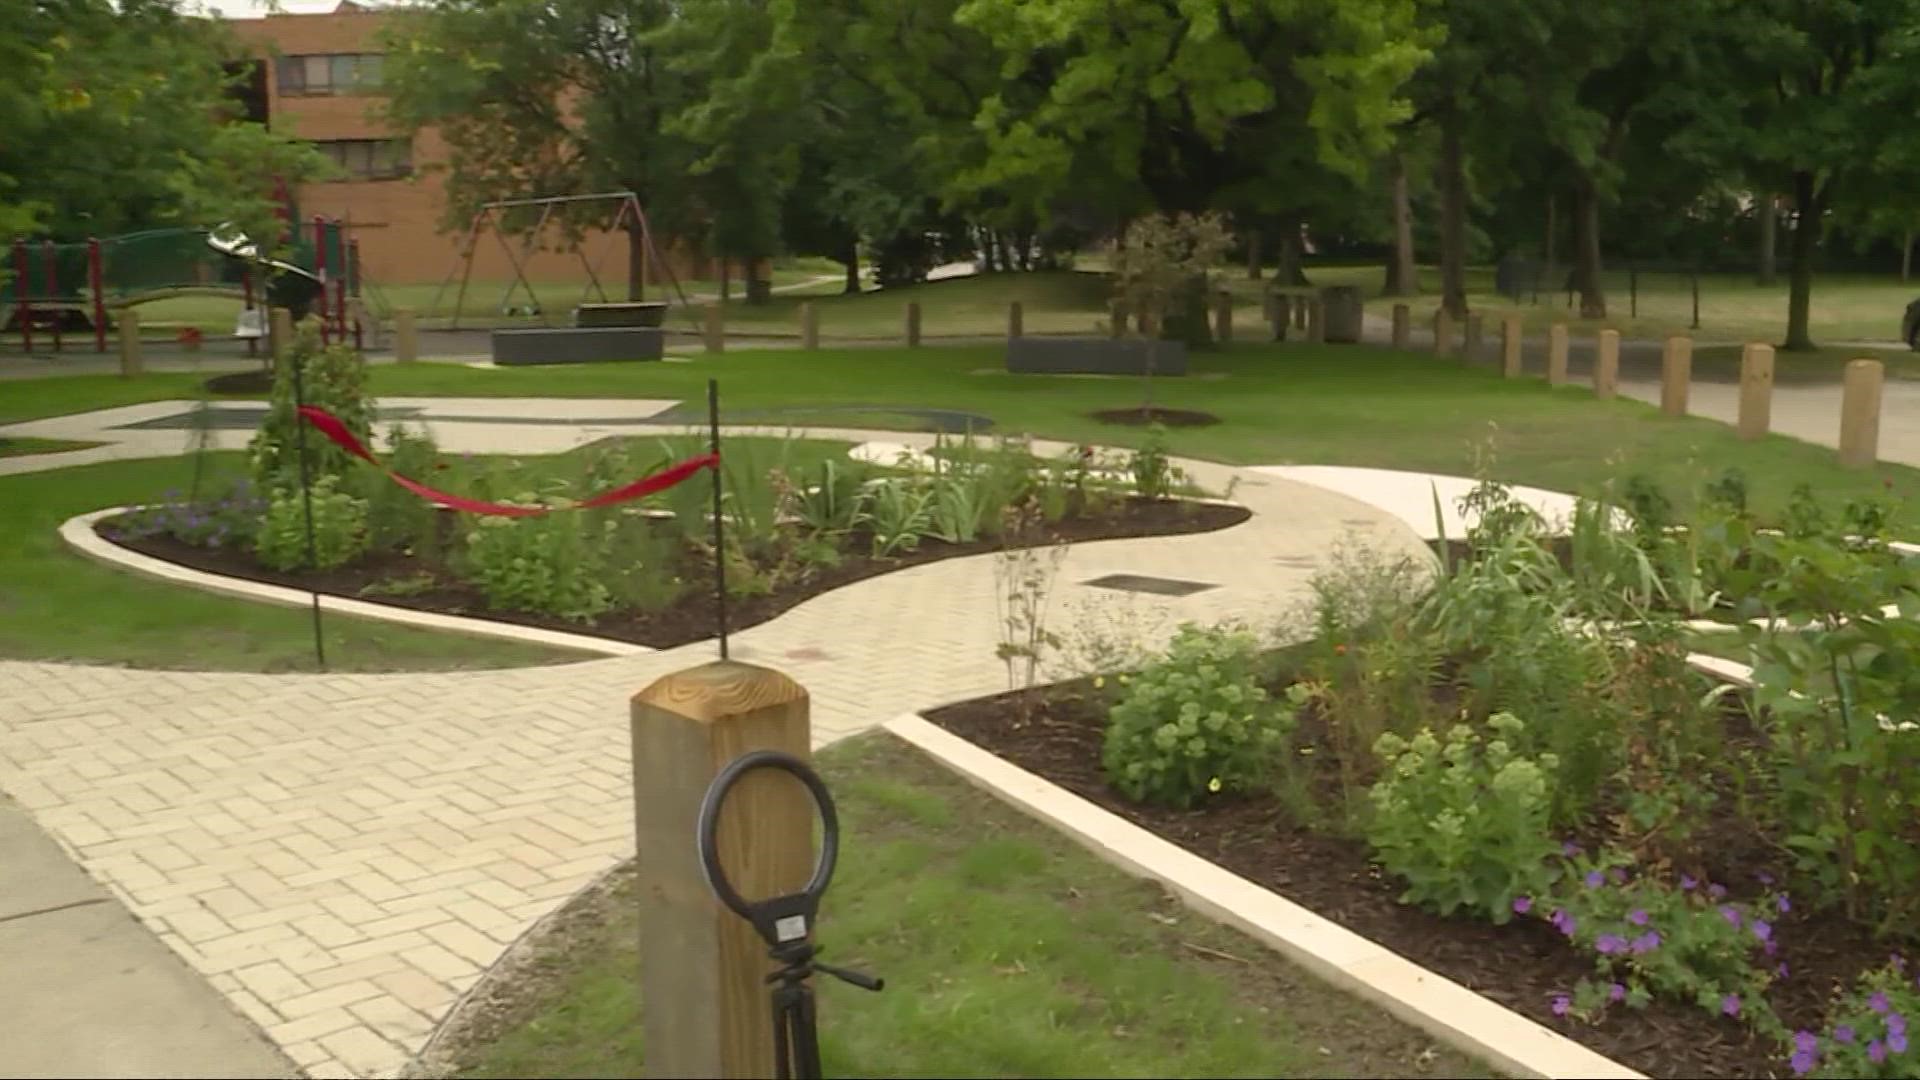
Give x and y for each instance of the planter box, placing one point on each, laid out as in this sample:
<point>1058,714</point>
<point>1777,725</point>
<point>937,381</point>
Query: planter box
<point>578,345</point>
<point>634,313</point>
<point>1094,356</point>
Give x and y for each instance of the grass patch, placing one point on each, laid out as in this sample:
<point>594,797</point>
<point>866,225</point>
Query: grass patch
<point>57,605</point>
<point>25,446</point>
<point>1007,951</point>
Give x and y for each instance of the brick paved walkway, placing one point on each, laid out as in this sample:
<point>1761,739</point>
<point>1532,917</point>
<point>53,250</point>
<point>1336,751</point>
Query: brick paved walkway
<point>342,855</point>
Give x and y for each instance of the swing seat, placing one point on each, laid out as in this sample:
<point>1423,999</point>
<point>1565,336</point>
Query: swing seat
<point>251,325</point>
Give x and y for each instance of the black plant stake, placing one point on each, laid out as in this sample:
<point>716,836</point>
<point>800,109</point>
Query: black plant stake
<point>719,523</point>
<point>306,492</point>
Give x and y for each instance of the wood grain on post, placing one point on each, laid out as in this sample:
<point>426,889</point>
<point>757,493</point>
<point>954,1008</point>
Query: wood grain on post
<point>280,329</point>
<point>1756,391</point>
<point>913,323</point>
<point>406,336</point>
<point>131,362</point>
<point>1557,355</point>
<point>704,996</point>
<point>1606,364</point>
<point>1860,413</point>
<point>1676,374</point>
<point>1442,332</point>
<point>1510,341</point>
<point>1223,317</point>
<point>1316,309</point>
<point>716,333</point>
<point>1402,325</point>
<point>1474,336</point>
<point>1016,320</point>
<point>809,325</point>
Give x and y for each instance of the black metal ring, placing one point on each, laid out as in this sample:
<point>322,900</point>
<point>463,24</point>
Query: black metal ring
<point>710,825</point>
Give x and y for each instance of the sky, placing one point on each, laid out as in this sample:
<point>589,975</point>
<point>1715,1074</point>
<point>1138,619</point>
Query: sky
<point>253,9</point>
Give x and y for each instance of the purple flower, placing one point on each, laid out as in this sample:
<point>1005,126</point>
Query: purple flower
<point>1769,946</point>
<point>1897,1041</point>
<point>1762,929</point>
<point>1802,1062</point>
<point>1638,917</point>
<point>1717,891</point>
<point>1731,914</point>
<point>1784,904</point>
<point>1843,1034</point>
<point>1805,1040</point>
<point>1765,878</point>
<point>1781,971</point>
<point>1522,905</point>
<point>1595,879</point>
<point>1562,1004</point>
<point>1898,963</point>
<point>1646,943</point>
<point>1617,993</point>
<point>1878,1002</point>
<point>1564,921</point>
<point>1897,1024</point>
<point>1687,883</point>
<point>1569,849</point>
<point>1617,876</point>
<point>1730,1005</point>
<point>1876,1051</point>
<point>1610,944</point>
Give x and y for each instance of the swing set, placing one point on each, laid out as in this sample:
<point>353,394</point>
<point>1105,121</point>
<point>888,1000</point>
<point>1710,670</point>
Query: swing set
<point>627,215</point>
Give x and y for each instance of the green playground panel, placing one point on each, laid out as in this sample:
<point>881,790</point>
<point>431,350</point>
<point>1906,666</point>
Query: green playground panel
<point>133,264</point>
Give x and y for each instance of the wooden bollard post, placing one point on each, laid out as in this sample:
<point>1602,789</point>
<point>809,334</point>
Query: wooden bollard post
<point>703,978</point>
<point>280,332</point>
<point>716,332</point>
<point>1223,317</point>
<point>1606,364</point>
<point>1510,342</point>
<point>1116,319</point>
<point>1016,320</point>
<point>809,325</point>
<point>1471,348</point>
<point>406,336</point>
<point>1300,313</point>
<point>913,324</point>
<point>1860,413</point>
<point>1402,325</point>
<point>131,362</point>
<point>1557,355</point>
<point>1316,310</point>
<point>1756,391</point>
<point>1676,374</point>
<point>1442,332</point>
<point>1279,315</point>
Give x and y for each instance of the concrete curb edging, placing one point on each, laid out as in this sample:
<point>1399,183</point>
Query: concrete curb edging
<point>78,533</point>
<point>1441,1007</point>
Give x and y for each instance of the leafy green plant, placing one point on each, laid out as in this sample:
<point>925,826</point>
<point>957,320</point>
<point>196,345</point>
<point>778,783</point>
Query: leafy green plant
<point>402,585</point>
<point>334,379</point>
<point>1149,466</point>
<point>957,510</point>
<point>1196,722</point>
<point>1866,1035</point>
<point>830,500</point>
<point>1023,578</point>
<point>1462,820</point>
<point>900,513</point>
<point>641,564</point>
<point>1728,491</point>
<point>339,528</point>
<point>552,564</point>
<point>396,517</point>
<point>229,519</point>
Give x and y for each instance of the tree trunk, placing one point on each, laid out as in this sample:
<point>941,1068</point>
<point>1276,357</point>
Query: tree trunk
<point>852,261</point>
<point>636,263</point>
<point>1586,251</point>
<point>1254,236</point>
<point>1403,275</point>
<point>1553,237</point>
<point>1453,218</point>
<point>1769,229</point>
<point>1806,238</point>
<point>1290,272</point>
<point>726,279</point>
<point>1906,256</point>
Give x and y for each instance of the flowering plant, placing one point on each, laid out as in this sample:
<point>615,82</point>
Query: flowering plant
<point>230,519</point>
<point>1868,1036</point>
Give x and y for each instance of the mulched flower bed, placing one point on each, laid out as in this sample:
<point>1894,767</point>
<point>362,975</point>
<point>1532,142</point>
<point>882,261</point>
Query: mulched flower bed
<point>691,617</point>
<point>1147,416</point>
<point>1522,965</point>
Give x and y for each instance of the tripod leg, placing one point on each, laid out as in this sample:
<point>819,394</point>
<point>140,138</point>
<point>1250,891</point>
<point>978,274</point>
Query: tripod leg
<point>783,1007</point>
<point>806,1036</point>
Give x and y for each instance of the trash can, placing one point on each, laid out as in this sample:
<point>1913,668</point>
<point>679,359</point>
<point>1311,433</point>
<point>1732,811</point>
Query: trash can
<point>1345,312</point>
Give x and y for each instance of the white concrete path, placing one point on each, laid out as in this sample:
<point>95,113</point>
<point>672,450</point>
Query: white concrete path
<point>342,855</point>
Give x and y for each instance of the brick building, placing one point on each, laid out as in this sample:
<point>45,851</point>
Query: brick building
<point>317,77</point>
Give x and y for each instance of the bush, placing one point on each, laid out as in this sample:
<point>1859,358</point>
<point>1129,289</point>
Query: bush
<point>1152,473</point>
<point>550,564</point>
<point>396,517</point>
<point>339,528</point>
<point>1195,722</point>
<point>232,519</point>
<point>334,379</point>
<point>1463,822</point>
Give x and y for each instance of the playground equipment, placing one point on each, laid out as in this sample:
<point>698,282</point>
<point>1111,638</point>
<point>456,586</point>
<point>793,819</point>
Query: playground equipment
<point>72,287</point>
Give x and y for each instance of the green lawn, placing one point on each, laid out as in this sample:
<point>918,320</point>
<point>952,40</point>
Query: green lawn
<point>1006,949</point>
<point>23,446</point>
<point>57,605</point>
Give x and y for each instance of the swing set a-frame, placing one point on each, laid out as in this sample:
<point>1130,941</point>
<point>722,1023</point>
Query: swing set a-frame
<point>628,214</point>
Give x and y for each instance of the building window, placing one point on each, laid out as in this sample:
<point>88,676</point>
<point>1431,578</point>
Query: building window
<point>329,73</point>
<point>370,159</point>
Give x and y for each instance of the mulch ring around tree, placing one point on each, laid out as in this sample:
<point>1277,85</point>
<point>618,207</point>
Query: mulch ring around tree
<point>1148,415</point>
<point>259,381</point>
<point>1522,965</point>
<point>690,617</point>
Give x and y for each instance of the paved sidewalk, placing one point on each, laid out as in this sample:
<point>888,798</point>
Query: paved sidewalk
<point>342,855</point>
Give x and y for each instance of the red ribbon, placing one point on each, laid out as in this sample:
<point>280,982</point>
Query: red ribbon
<point>330,426</point>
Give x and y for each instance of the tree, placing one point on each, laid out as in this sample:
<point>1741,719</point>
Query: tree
<point>1158,266</point>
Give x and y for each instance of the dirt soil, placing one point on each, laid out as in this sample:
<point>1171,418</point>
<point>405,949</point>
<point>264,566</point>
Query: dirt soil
<point>1147,416</point>
<point>691,616</point>
<point>1522,965</point>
